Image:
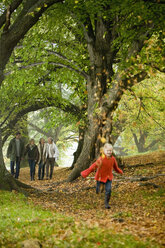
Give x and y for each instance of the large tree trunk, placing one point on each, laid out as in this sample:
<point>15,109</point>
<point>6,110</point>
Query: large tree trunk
<point>104,90</point>
<point>87,154</point>
<point>99,117</point>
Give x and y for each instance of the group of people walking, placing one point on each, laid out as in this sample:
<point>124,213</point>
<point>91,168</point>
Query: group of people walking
<point>45,155</point>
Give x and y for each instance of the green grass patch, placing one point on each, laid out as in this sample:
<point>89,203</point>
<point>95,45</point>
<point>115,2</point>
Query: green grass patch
<point>20,220</point>
<point>122,215</point>
<point>142,172</point>
<point>159,193</point>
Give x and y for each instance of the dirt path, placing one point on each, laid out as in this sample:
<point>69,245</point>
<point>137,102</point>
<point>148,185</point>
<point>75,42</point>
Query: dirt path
<point>137,208</point>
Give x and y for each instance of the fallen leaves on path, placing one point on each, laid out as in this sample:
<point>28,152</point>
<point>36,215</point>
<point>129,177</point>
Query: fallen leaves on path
<point>135,209</point>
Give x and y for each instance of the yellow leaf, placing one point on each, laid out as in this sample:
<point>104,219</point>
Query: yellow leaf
<point>103,140</point>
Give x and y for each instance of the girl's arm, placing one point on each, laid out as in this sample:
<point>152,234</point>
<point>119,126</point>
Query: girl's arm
<point>86,172</point>
<point>92,168</point>
<point>116,168</point>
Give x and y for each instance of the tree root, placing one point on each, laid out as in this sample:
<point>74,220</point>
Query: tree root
<point>133,179</point>
<point>9,183</point>
<point>149,184</point>
<point>137,165</point>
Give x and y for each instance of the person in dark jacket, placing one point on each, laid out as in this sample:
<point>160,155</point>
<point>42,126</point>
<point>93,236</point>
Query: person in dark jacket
<point>32,152</point>
<point>15,152</point>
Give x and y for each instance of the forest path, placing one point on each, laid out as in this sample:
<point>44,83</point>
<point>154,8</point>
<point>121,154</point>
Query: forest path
<point>137,207</point>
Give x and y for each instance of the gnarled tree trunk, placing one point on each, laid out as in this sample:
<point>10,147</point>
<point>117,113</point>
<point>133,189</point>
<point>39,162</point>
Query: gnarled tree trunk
<point>105,88</point>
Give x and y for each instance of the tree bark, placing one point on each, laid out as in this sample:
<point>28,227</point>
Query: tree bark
<point>102,99</point>
<point>87,154</point>
<point>79,147</point>
<point>10,36</point>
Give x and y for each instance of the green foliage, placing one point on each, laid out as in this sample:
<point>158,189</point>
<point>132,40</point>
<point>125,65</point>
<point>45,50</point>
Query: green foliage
<point>53,58</point>
<point>53,229</point>
<point>141,110</point>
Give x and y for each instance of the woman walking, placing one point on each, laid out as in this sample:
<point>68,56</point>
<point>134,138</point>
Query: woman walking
<point>52,155</point>
<point>32,152</point>
<point>41,159</point>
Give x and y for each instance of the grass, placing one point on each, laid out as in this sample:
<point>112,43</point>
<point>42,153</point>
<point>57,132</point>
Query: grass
<point>21,220</point>
<point>159,193</point>
<point>122,215</point>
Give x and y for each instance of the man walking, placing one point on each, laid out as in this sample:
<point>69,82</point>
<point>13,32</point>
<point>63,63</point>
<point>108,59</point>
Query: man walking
<point>52,154</point>
<point>15,152</point>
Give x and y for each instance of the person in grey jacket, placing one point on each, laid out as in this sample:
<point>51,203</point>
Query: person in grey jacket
<point>15,152</point>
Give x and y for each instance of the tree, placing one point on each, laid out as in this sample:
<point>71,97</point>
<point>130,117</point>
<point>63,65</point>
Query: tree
<point>112,58</point>
<point>142,112</point>
<point>110,32</point>
<point>112,38</point>
<point>25,14</point>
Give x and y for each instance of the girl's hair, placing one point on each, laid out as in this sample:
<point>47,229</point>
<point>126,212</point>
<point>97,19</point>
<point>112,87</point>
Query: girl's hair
<point>107,145</point>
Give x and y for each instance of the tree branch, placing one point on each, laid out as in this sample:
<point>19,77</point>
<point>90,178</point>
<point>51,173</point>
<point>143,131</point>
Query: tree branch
<point>30,14</point>
<point>58,66</point>
<point>152,117</point>
<point>51,102</point>
<point>13,6</point>
<point>70,61</point>
<point>7,117</point>
<point>114,94</point>
<point>38,129</point>
<point>79,71</point>
<point>156,67</point>
<point>154,142</point>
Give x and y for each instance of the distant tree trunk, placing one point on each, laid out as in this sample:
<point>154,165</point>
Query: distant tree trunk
<point>77,153</point>
<point>141,142</point>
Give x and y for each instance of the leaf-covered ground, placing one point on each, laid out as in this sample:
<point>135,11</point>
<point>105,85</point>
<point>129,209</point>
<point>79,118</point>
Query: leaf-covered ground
<point>137,207</point>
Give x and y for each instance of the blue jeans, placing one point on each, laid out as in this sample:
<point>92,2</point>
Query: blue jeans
<point>108,185</point>
<point>32,168</point>
<point>12,163</point>
<point>41,170</point>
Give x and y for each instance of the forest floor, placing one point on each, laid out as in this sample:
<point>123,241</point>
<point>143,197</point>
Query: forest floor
<point>137,204</point>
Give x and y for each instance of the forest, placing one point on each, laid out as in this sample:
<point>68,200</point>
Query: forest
<point>86,73</point>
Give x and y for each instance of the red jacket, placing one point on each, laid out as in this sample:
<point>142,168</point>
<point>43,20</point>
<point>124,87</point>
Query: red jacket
<point>104,167</point>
